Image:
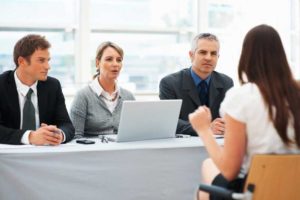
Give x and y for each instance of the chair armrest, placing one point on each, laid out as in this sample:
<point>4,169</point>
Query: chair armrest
<point>216,191</point>
<point>227,194</point>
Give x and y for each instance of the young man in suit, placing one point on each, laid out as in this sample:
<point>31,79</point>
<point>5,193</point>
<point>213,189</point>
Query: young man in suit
<point>32,105</point>
<point>199,84</point>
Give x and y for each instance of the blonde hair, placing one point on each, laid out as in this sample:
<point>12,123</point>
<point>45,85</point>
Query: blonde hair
<point>101,49</point>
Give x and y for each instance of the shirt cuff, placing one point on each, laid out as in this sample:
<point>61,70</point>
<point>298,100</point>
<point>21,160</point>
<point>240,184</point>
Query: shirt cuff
<point>25,137</point>
<point>64,136</point>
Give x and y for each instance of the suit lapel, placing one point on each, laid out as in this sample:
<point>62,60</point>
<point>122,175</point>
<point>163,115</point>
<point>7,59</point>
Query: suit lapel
<point>214,89</point>
<point>42,100</point>
<point>188,85</point>
<point>13,97</point>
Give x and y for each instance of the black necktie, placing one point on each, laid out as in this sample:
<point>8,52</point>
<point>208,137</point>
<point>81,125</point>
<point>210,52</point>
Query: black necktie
<point>28,113</point>
<point>203,93</point>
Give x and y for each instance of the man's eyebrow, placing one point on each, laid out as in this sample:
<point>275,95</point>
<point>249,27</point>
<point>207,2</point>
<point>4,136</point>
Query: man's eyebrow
<point>43,58</point>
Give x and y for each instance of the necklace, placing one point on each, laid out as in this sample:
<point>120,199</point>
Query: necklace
<point>110,99</point>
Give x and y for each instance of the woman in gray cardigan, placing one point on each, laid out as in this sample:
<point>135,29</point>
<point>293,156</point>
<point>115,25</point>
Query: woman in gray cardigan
<point>96,108</point>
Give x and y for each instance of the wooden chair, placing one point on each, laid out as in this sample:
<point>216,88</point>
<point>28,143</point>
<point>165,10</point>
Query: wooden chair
<point>271,177</point>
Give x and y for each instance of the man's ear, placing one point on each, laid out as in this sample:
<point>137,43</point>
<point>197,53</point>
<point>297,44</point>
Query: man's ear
<point>21,61</point>
<point>191,54</point>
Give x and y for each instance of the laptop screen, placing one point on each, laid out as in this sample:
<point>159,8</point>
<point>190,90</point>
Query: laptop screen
<point>145,120</point>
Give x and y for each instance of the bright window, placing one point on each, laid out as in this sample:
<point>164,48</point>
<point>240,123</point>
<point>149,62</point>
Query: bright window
<point>154,34</point>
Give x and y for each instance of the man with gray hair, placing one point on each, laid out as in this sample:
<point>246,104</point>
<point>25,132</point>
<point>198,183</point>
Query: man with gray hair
<point>199,84</point>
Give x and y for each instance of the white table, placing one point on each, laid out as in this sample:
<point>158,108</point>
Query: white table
<point>156,169</point>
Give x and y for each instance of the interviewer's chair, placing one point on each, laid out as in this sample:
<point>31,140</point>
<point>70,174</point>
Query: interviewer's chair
<point>271,177</point>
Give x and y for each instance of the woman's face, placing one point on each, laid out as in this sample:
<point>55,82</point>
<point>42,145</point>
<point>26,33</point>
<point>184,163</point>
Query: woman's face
<point>110,64</point>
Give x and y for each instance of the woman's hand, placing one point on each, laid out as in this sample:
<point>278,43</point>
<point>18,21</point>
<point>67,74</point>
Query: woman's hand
<point>200,119</point>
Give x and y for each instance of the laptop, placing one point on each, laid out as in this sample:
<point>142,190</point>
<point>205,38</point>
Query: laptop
<point>147,120</point>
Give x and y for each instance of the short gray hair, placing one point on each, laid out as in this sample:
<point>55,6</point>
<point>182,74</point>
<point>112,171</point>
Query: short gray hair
<point>207,36</point>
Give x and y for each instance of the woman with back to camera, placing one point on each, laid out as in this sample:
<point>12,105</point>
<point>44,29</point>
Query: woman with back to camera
<point>262,116</point>
<point>97,107</point>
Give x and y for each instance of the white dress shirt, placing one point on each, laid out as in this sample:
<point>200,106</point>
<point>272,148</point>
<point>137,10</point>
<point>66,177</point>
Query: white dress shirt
<point>22,92</point>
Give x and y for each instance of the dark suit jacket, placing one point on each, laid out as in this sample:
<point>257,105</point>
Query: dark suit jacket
<point>51,104</point>
<point>180,85</point>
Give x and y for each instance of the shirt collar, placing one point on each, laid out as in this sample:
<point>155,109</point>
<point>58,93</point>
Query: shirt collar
<point>97,88</point>
<point>197,80</point>
<point>22,88</point>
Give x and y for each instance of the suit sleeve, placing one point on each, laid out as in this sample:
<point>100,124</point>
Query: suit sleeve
<point>9,135</point>
<point>231,84</point>
<point>166,91</point>
<point>184,127</point>
<point>62,118</point>
<point>10,132</point>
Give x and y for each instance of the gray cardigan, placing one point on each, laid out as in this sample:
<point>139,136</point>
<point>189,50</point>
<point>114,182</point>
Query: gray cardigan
<point>90,114</point>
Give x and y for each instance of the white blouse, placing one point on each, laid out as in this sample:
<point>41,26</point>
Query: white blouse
<point>111,100</point>
<point>246,105</point>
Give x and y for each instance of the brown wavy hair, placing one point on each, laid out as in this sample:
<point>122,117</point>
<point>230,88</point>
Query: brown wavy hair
<point>27,45</point>
<point>263,62</point>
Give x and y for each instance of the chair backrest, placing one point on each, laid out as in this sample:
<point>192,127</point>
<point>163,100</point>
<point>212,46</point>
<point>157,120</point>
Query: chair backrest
<point>275,177</point>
